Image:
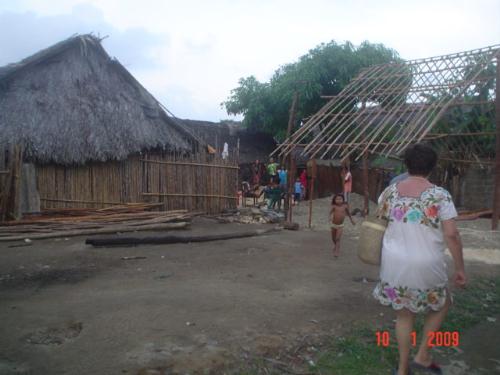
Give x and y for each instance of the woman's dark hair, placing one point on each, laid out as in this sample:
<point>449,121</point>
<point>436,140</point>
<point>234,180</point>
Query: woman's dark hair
<point>420,159</point>
<point>338,195</point>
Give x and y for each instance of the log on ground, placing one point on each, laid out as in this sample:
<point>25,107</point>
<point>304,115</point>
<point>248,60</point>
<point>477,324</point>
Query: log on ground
<point>170,239</point>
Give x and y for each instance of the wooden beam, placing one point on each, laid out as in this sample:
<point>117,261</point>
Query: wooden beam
<point>366,191</point>
<point>105,230</point>
<point>468,161</point>
<point>287,159</point>
<point>193,164</point>
<point>189,195</point>
<point>79,201</point>
<point>496,196</point>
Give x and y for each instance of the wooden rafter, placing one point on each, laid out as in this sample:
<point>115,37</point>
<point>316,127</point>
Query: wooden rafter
<point>387,107</point>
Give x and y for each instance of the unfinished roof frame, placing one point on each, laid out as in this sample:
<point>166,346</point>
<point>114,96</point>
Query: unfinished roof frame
<point>390,106</point>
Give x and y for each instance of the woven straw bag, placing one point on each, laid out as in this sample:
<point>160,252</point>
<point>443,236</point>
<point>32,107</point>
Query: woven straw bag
<point>371,237</point>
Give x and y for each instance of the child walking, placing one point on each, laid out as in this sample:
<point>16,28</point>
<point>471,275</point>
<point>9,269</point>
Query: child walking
<point>337,215</point>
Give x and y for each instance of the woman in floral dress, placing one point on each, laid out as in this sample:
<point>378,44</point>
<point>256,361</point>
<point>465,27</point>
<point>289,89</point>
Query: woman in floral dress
<point>413,275</point>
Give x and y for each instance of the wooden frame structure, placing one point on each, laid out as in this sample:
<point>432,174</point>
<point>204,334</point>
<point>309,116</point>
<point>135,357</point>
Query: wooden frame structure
<point>388,107</point>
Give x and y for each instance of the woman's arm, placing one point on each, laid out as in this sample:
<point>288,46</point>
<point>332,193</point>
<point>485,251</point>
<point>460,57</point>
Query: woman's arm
<point>454,242</point>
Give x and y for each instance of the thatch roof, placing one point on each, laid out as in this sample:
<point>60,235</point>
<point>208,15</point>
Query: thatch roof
<point>253,145</point>
<point>72,103</point>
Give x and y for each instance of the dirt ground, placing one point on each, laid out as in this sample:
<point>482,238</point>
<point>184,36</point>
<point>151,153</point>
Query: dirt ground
<point>68,308</point>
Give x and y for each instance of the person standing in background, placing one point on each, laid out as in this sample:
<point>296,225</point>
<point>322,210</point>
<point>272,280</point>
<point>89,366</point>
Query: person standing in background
<point>272,169</point>
<point>283,176</point>
<point>257,173</point>
<point>303,181</point>
<point>298,190</point>
<point>347,181</point>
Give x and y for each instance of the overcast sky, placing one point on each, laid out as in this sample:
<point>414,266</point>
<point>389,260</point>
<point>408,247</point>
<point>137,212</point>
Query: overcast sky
<point>189,54</point>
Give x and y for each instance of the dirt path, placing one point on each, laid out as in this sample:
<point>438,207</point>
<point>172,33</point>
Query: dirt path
<point>66,308</point>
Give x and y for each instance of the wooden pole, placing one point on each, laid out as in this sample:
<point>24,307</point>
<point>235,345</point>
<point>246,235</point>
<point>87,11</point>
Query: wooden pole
<point>222,166</point>
<point>287,160</point>
<point>4,197</point>
<point>216,196</point>
<point>291,183</point>
<point>12,199</point>
<point>366,192</point>
<point>238,186</point>
<point>496,197</point>
<point>293,112</point>
<point>16,186</point>
<point>311,188</point>
<point>311,184</point>
<point>105,230</point>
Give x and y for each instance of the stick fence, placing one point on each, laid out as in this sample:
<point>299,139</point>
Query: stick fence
<point>200,182</point>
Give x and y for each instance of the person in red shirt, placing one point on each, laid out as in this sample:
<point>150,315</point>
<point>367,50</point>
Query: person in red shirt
<point>347,181</point>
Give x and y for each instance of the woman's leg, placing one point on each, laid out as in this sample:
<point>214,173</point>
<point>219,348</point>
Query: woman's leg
<point>404,326</point>
<point>432,323</point>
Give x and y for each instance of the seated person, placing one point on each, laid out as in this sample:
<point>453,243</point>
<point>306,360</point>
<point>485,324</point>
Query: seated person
<point>274,195</point>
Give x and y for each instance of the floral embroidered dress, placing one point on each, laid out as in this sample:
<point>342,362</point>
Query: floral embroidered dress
<point>413,268</point>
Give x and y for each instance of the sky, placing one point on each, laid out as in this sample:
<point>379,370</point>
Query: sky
<point>190,54</point>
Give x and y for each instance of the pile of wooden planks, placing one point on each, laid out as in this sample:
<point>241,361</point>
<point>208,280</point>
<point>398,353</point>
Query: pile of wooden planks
<point>75,222</point>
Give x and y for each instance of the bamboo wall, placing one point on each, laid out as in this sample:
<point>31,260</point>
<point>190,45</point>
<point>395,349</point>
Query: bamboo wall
<point>200,182</point>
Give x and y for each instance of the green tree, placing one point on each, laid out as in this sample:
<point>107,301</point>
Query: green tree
<point>324,70</point>
<point>476,114</point>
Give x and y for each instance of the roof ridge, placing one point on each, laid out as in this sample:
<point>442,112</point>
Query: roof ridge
<point>8,70</point>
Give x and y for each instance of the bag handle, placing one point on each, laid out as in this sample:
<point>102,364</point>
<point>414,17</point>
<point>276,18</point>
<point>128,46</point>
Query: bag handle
<point>380,207</point>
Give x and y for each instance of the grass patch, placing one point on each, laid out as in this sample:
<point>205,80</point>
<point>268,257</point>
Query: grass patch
<point>358,353</point>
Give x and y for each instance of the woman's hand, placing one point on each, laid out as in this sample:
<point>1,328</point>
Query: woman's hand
<point>452,238</point>
<point>460,279</point>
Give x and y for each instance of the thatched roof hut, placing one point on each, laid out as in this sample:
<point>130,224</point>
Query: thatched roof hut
<point>72,103</point>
